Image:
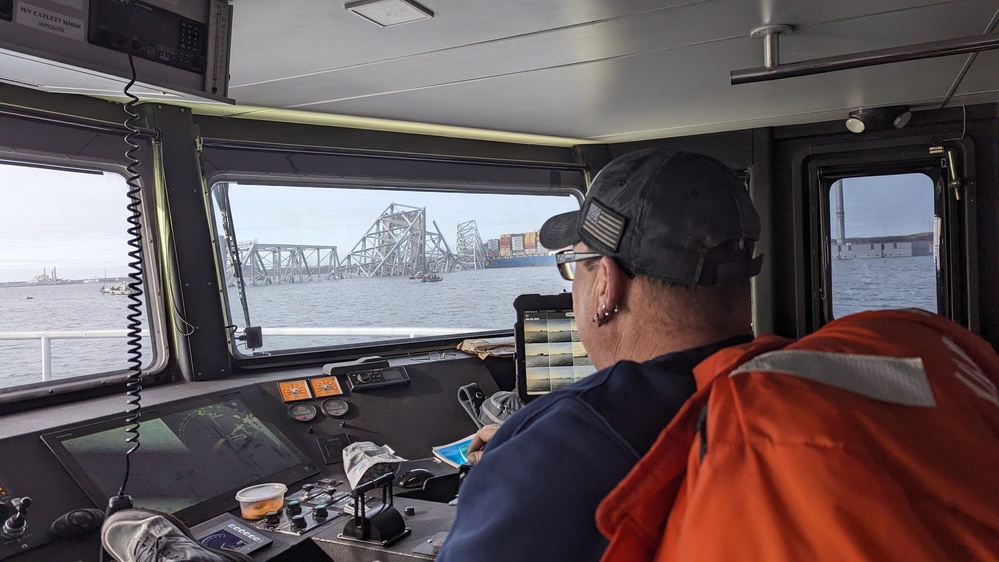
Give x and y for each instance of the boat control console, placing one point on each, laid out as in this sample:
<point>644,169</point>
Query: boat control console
<point>200,444</point>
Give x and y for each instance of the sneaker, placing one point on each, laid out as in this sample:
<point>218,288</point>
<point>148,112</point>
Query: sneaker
<point>144,535</point>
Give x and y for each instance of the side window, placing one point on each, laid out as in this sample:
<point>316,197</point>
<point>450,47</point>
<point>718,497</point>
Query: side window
<point>339,266</point>
<point>62,275</point>
<point>884,240</point>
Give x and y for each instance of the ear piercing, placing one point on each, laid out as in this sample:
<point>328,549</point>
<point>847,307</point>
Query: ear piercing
<point>602,317</point>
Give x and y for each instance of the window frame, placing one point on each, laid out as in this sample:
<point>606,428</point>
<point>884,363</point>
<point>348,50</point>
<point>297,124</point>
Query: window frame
<point>46,142</point>
<point>957,287</point>
<point>318,167</point>
<point>826,217</point>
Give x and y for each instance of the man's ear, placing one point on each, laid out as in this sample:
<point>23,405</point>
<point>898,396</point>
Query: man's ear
<point>613,283</point>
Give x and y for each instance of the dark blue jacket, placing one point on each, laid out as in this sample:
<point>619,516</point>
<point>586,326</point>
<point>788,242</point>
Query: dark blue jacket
<point>534,494</point>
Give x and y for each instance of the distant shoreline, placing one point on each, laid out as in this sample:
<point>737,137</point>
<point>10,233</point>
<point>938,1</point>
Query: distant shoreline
<point>8,284</point>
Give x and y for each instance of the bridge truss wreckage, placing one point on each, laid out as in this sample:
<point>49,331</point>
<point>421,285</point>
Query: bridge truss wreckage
<point>266,264</point>
<point>471,251</point>
<point>399,243</point>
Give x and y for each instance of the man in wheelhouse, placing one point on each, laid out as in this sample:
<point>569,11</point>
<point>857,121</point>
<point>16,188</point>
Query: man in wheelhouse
<point>660,257</point>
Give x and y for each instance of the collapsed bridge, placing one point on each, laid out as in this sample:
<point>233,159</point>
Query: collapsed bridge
<point>399,242</point>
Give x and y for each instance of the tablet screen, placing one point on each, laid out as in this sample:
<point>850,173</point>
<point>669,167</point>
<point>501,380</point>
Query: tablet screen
<point>550,354</point>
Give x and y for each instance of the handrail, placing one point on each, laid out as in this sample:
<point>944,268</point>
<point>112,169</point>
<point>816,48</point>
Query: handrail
<point>65,334</point>
<point>949,47</point>
<point>370,331</point>
<point>46,336</point>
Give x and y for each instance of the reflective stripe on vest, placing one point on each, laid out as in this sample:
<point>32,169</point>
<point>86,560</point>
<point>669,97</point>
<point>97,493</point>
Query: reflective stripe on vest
<point>888,379</point>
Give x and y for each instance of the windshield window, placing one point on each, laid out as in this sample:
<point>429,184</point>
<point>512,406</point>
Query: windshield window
<point>62,275</point>
<point>326,266</point>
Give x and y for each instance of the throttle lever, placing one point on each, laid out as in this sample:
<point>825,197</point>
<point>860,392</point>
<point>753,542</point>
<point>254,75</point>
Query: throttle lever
<point>15,525</point>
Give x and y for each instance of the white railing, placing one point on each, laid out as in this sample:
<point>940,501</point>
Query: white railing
<point>370,331</point>
<point>47,336</point>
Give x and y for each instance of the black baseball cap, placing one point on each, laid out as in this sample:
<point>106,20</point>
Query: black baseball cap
<point>679,216</point>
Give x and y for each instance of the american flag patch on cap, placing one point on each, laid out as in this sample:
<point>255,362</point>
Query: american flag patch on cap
<point>604,225</point>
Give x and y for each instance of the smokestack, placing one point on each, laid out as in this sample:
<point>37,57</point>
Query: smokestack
<point>840,222</point>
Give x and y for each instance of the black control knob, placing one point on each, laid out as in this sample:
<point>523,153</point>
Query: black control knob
<point>364,376</point>
<point>294,507</point>
<point>320,511</point>
<point>272,518</point>
<point>77,523</point>
<point>298,522</point>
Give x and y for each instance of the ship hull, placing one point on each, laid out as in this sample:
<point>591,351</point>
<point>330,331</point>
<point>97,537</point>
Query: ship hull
<point>520,261</point>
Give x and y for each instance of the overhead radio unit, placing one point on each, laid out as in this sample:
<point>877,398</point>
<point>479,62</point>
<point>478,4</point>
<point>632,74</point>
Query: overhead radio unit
<point>180,48</point>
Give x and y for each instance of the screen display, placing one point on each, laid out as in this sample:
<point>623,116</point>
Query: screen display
<point>392,375</point>
<point>223,539</point>
<point>553,355</point>
<point>191,462</point>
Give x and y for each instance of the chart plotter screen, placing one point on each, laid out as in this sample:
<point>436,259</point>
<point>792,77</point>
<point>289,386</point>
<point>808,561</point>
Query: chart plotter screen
<point>192,459</point>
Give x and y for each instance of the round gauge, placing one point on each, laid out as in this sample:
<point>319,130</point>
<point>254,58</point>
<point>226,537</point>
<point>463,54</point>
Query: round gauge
<point>303,412</point>
<point>335,408</point>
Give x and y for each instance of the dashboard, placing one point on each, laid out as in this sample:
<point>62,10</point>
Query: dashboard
<point>200,443</point>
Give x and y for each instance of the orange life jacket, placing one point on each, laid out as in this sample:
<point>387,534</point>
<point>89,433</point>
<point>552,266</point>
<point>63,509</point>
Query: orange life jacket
<point>875,438</point>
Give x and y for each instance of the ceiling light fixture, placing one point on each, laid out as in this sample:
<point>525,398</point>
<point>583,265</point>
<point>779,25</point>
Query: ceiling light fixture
<point>866,119</point>
<point>386,13</point>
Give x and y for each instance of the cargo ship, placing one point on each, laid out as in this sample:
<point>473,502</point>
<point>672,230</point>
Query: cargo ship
<point>517,250</point>
<point>520,261</point>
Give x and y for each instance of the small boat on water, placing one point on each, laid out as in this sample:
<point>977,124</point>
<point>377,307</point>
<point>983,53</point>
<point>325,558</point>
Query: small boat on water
<point>119,289</point>
<point>432,278</point>
<point>417,275</point>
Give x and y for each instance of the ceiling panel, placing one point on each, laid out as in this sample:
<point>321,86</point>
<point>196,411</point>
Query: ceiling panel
<point>616,100</point>
<point>325,37</point>
<point>655,31</point>
<point>322,35</point>
<point>595,69</point>
<point>663,90</point>
<point>983,76</point>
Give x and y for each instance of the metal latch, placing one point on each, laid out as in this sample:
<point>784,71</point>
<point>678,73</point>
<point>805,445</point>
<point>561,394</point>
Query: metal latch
<point>947,162</point>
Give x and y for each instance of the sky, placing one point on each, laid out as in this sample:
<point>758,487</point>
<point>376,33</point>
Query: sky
<point>340,216</point>
<point>886,206</point>
<point>73,221</point>
<point>77,222</point>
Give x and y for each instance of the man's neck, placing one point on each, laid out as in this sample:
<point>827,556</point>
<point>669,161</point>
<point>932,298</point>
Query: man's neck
<point>641,343</point>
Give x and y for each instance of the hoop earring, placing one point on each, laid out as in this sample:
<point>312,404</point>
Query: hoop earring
<point>603,316</point>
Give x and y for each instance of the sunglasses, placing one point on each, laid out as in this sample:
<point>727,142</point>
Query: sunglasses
<point>566,261</point>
